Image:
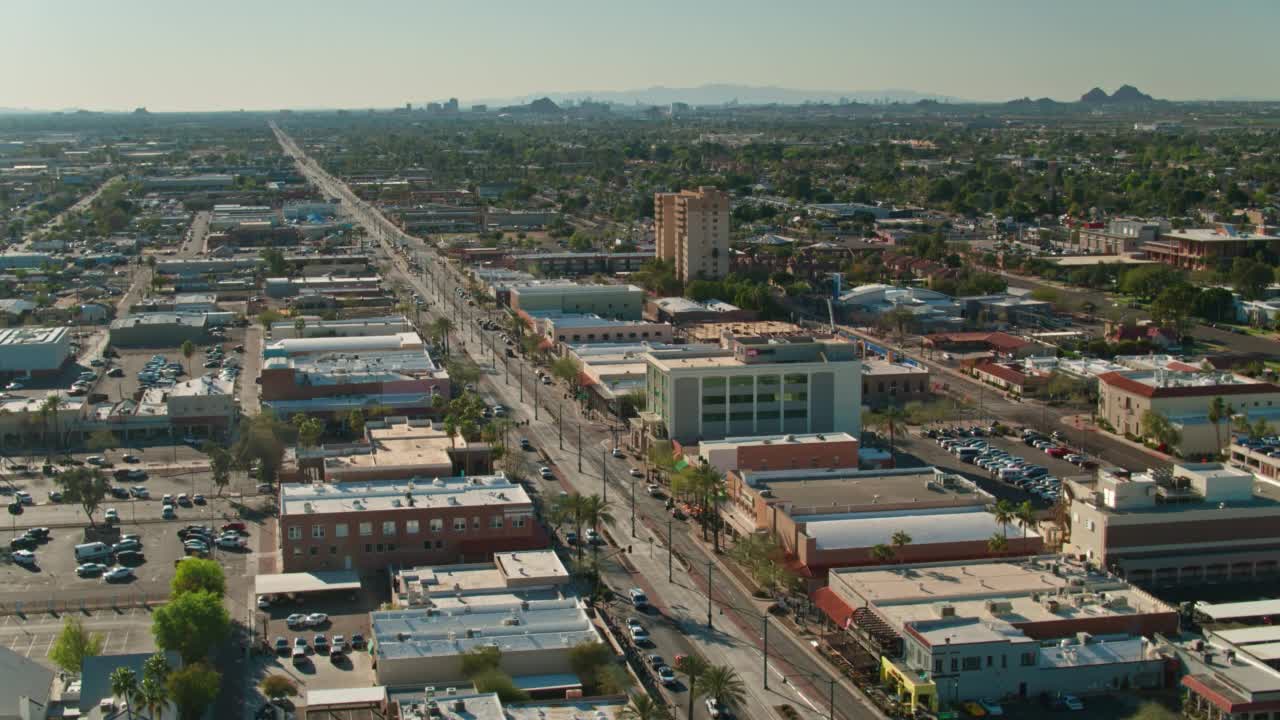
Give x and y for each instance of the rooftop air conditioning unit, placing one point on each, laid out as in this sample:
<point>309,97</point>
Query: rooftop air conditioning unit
<point>999,607</point>
<point>946,610</point>
<point>1051,605</point>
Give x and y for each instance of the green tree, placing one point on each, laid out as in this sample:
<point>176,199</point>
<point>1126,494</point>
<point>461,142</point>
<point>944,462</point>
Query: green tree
<point>310,430</point>
<point>882,553</point>
<point>1005,513</point>
<point>102,440</point>
<point>85,487</point>
<point>191,623</point>
<point>196,575</point>
<point>1156,426</point>
<point>480,659</point>
<point>722,683</point>
<point>997,544</point>
<point>193,688</point>
<point>462,371</point>
<point>587,659</point>
<point>220,462</point>
<point>642,706</point>
<point>1025,515</point>
<point>694,668</point>
<point>1217,413</point>
<point>267,317</point>
<point>299,325</point>
<point>568,369</point>
<point>261,441</point>
<point>273,258</point>
<point>891,420</point>
<point>188,349</point>
<point>355,422</point>
<point>496,681</point>
<point>278,687</point>
<point>899,540</point>
<point>73,644</point>
<point>124,686</point>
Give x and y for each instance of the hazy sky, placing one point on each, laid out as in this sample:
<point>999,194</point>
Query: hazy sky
<point>265,54</point>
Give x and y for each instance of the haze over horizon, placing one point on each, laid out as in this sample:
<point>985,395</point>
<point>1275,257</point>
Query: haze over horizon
<point>236,54</point>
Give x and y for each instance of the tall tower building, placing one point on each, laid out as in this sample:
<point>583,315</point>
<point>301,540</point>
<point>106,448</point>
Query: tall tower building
<point>691,228</point>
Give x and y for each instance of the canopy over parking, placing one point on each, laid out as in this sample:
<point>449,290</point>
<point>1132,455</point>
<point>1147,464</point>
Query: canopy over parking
<point>1224,612</point>
<point>307,582</point>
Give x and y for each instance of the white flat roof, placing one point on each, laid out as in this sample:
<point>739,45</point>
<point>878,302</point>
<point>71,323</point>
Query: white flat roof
<point>346,696</point>
<point>304,582</point>
<point>474,491</point>
<point>926,527</point>
<point>1228,611</point>
<point>1250,635</point>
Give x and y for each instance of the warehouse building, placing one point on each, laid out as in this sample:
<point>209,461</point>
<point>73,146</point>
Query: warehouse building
<point>28,351</point>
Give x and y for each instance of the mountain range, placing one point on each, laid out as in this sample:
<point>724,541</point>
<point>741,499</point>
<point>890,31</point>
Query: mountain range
<point>722,94</point>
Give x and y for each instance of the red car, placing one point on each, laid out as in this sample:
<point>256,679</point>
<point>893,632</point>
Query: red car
<point>237,526</point>
<point>1058,452</point>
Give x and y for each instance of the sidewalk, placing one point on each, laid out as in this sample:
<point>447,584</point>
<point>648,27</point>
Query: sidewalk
<point>1084,423</point>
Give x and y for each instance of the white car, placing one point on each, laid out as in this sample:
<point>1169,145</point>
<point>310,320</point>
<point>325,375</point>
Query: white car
<point>13,386</point>
<point>617,452</point>
<point>230,543</point>
<point>24,557</point>
<point>636,472</point>
<point>317,619</point>
<point>112,516</point>
<point>653,489</point>
<point>264,602</point>
<point>296,620</point>
<point>117,574</point>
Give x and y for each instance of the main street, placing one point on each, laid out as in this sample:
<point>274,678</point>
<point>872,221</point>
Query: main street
<point>677,582</point>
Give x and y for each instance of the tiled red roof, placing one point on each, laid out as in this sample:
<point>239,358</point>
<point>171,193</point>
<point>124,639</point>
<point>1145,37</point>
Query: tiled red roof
<point>1003,372</point>
<point>997,340</point>
<point>833,605</point>
<point>1129,385</point>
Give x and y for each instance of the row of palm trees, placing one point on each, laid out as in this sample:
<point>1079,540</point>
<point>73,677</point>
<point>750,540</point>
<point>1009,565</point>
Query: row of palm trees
<point>147,695</point>
<point>582,511</point>
<point>720,682</point>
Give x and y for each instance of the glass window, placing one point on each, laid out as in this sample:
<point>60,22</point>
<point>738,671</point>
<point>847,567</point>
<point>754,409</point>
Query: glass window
<point>767,397</point>
<point>712,417</point>
<point>381,547</point>
<point>1028,659</point>
<point>972,663</point>
<point>366,529</point>
<point>388,527</point>
<point>740,399</point>
<point>767,415</point>
<point>475,522</point>
<point>297,551</point>
<point>411,527</point>
<point>459,524</point>
<point>795,397</point>
<point>314,550</point>
<point>713,385</point>
<point>708,401</point>
<point>797,379</point>
<point>295,532</point>
<point>368,547</point>
<point>767,381</point>
<point>333,549</point>
<point>340,530</point>
<point>740,416</point>
<point>440,544</point>
<point>495,522</point>
<point>518,521</point>
<point>437,525</point>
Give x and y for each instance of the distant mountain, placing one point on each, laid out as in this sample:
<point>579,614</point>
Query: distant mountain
<point>725,94</point>
<point>1026,101</point>
<point>1126,94</point>
<point>541,106</point>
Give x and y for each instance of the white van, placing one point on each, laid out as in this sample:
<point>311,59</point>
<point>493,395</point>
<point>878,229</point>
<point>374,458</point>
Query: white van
<point>92,551</point>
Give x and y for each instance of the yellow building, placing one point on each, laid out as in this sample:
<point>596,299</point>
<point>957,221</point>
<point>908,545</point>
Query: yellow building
<point>691,229</point>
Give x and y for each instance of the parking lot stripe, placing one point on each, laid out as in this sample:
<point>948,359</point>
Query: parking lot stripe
<point>32,644</point>
<point>48,648</point>
<point>106,644</point>
<point>124,646</point>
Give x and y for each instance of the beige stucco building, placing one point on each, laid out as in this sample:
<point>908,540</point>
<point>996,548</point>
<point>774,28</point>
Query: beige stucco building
<point>691,229</point>
<point>1184,398</point>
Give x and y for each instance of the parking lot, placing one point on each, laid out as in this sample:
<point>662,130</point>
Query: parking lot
<point>348,614</point>
<point>134,361</point>
<point>54,575</point>
<point>127,631</point>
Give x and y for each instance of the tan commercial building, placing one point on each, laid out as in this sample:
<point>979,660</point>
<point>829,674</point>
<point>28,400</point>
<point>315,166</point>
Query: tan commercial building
<point>691,228</point>
<point>1202,523</point>
<point>1184,398</point>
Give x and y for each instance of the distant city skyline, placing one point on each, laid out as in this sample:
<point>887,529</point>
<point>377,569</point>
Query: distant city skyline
<point>287,53</point>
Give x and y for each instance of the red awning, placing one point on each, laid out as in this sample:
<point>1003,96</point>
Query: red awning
<point>833,605</point>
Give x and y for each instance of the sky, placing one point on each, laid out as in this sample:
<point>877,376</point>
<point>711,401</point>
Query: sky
<point>176,55</point>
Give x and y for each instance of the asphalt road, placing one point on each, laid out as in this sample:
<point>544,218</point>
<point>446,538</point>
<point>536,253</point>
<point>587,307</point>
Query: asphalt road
<point>799,676</point>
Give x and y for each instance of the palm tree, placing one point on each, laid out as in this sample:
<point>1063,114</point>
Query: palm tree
<point>1005,514</point>
<point>188,349</point>
<point>997,543</point>
<point>49,408</point>
<point>899,540</point>
<point>892,420</point>
<point>1025,515</point>
<point>644,707</point>
<point>721,683</point>
<point>694,668</point>
<point>881,553</point>
<point>299,325</point>
<point>595,510</point>
<point>440,328</point>
<point>124,685</point>
<point>1217,412</point>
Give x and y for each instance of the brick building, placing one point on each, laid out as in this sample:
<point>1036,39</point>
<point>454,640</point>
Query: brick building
<point>370,525</point>
<point>781,452</point>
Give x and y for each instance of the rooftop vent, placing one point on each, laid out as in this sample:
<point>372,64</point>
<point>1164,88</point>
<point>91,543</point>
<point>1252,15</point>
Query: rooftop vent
<point>307,507</point>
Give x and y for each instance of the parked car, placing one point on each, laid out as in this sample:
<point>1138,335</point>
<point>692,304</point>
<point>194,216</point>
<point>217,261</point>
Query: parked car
<point>666,676</point>
<point>90,569</point>
<point>992,707</point>
<point>317,619</point>
<point>24,557</point>
<point>112,516</point>
<point>236,526</point>
<point>118,574</point>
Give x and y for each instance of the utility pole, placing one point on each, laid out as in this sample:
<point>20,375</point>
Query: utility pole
<point>604,473</point>
<point>633,507</point>
<point>579,446</point>
<point>522,383</point>
<point>535,409</point>
<point>710,564</point>
<point>670,549</point>
<point>560,424</point>
<point>765,618</point>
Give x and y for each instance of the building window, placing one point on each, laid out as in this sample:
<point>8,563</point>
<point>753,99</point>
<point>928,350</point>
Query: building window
<point>333,549</point>
<point>937,665</point>
<point>426,544</point>
<point>459,524</point>
<point>495,522</point>
<point>411,527</point>
<point>340,530</point>
<point>767,415</point>
<point>437,525</point>
<point>295,532</point>
<point>297,551</point>
<point>1028,659</point>
<point>380,547</point>
<point>518,521</point>
<point>475,522</point>
<point>366,529</point>
<point>740,416</point>
<point>314,550</point>
<point>317,531</point>
<point>391,547</point>
<point>713,417</point>
<point>972,663</point>
<point>955,664</point>
<point>796,414</point>
<point>389,528</point>
<point>368,548</point>
<point>440,544</point>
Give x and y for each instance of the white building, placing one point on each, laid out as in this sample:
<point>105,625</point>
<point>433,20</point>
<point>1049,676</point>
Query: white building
<point>28,351</point>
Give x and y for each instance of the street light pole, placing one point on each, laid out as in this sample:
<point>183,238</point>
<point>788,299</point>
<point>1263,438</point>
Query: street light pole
<point>604,473</point>
<point>579,446</point>
<point>670,548</point>
<point>560,424</point>
<point>633,507</point>
<point>710,563</point>
<point>522,384</point>
<point>765,619</point>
